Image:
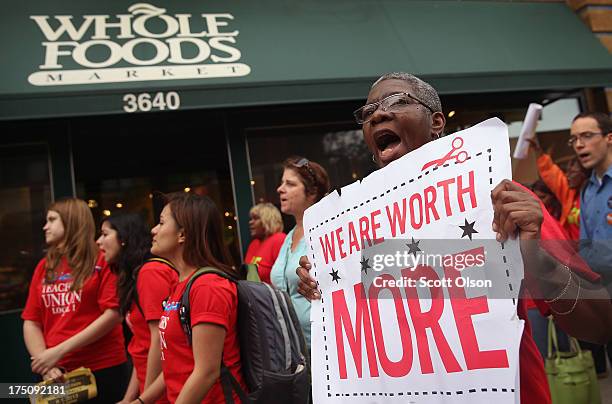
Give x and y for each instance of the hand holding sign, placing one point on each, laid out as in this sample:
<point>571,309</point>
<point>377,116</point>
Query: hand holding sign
<point>515,209</point>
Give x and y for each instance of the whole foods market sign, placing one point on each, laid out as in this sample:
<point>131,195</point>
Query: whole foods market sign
<point>146,44</point>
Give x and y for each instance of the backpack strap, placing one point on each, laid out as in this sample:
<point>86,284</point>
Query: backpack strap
<point>185,308</point>
<point>163,261</point>
<point>229,383</point>
<point>137,270</point>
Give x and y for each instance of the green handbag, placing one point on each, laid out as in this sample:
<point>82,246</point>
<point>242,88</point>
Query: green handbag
<point>571,375</point>
<point>250,272</point>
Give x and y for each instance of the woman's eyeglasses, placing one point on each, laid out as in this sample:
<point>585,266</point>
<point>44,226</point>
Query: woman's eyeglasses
<point>394,103</point>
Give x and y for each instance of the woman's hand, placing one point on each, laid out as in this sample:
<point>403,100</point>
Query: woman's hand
<point>534,145</point>
<point>307,286</point>
<point>514,208</point>
<point>46,360</point>
<point>54,374</point>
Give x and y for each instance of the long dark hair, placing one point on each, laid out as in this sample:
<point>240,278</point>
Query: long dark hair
<point>135,240</point>
<point>201,223</point>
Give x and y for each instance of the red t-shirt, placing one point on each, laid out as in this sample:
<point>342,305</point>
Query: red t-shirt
<point>534,385</point>
<point>63,313</point>
<point>212,300</point>
<point>154,284</point>
<point>264,254</point>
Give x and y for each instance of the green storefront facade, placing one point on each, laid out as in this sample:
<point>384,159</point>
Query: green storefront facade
<point>112,102</point>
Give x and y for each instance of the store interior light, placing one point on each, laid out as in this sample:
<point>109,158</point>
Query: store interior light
<point>354,176</point>
<point>119,205</point>
<point>187,189</point>
<point>92,203</point>
<point>150,196</point>
<point>106,212</point>
<point>451,114</point>
<point>227,214</point>
<point>252,182</point>
<point>230,227</point>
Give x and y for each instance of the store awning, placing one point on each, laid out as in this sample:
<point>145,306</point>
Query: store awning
<point>70,58</point>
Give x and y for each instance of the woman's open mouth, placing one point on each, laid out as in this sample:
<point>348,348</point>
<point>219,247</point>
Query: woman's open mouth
<point>386,143</point>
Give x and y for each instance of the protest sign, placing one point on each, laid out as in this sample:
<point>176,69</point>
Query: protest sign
<point>418,298</point>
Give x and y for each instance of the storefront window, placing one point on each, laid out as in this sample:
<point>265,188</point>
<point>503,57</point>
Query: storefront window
<point>25,194</point>
<point>124,164</point>
<point>340,149</point>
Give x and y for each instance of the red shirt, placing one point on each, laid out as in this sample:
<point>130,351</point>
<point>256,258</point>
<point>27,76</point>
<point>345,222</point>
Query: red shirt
<point>63,313</point>
<point>534,385</point>
<point>154,283</point>
<point>212,300</point>
<point>264,254</point>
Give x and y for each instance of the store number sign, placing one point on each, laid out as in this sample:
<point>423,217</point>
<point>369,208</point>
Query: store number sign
<point>145,102</point>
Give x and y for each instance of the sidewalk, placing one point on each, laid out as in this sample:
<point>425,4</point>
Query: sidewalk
<point>605,385</point>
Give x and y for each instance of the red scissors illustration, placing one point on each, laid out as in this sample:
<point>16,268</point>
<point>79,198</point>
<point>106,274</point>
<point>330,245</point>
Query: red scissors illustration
<point>459,157</point>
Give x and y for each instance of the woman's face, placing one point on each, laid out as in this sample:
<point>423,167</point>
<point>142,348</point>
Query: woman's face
<point>256,226</point>
<point>575,174</point>
<point>109,243</point>
<point>293,198</point>
<point>53,228</point>
<point>166,235</point>
<point>391,135</point>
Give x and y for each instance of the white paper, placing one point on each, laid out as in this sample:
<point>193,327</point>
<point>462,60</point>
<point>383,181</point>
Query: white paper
<point>397,372</point>
<point>527,131</point>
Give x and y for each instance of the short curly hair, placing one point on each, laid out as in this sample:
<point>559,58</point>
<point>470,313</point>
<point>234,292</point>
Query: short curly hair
<point>422,90</point>
<point>270,217</point>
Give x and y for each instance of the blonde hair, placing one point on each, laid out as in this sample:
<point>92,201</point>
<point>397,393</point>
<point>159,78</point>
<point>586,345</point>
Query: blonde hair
<point>270,217</point>
<point>78,245</point>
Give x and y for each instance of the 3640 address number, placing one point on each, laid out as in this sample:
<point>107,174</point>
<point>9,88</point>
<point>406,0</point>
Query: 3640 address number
<point>145,102</point>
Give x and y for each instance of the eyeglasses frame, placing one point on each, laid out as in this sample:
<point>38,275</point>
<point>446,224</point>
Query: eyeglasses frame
<point>574,138</point>
<point>378,103</point>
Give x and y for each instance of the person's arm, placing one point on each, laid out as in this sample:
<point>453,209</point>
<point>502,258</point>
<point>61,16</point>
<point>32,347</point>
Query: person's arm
<point>152,393</point>
<point>45,360</point>
<point>207,353</point>
<point>34,340</point>
<point>581,308</point>
<point>554,178</point>
<point>154,367</point>
<point>586,315</point>
<point>132,389</point>
<point>33,337</point>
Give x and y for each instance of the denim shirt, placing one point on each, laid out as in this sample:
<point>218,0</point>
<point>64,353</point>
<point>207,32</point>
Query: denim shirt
<point>284,277</point>
<point>596,224</point>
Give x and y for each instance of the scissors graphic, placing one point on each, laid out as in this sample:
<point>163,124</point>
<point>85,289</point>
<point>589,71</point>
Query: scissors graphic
<point>459,157</point>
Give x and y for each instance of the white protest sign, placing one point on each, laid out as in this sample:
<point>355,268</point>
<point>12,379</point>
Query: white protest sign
<point>405,327</point>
